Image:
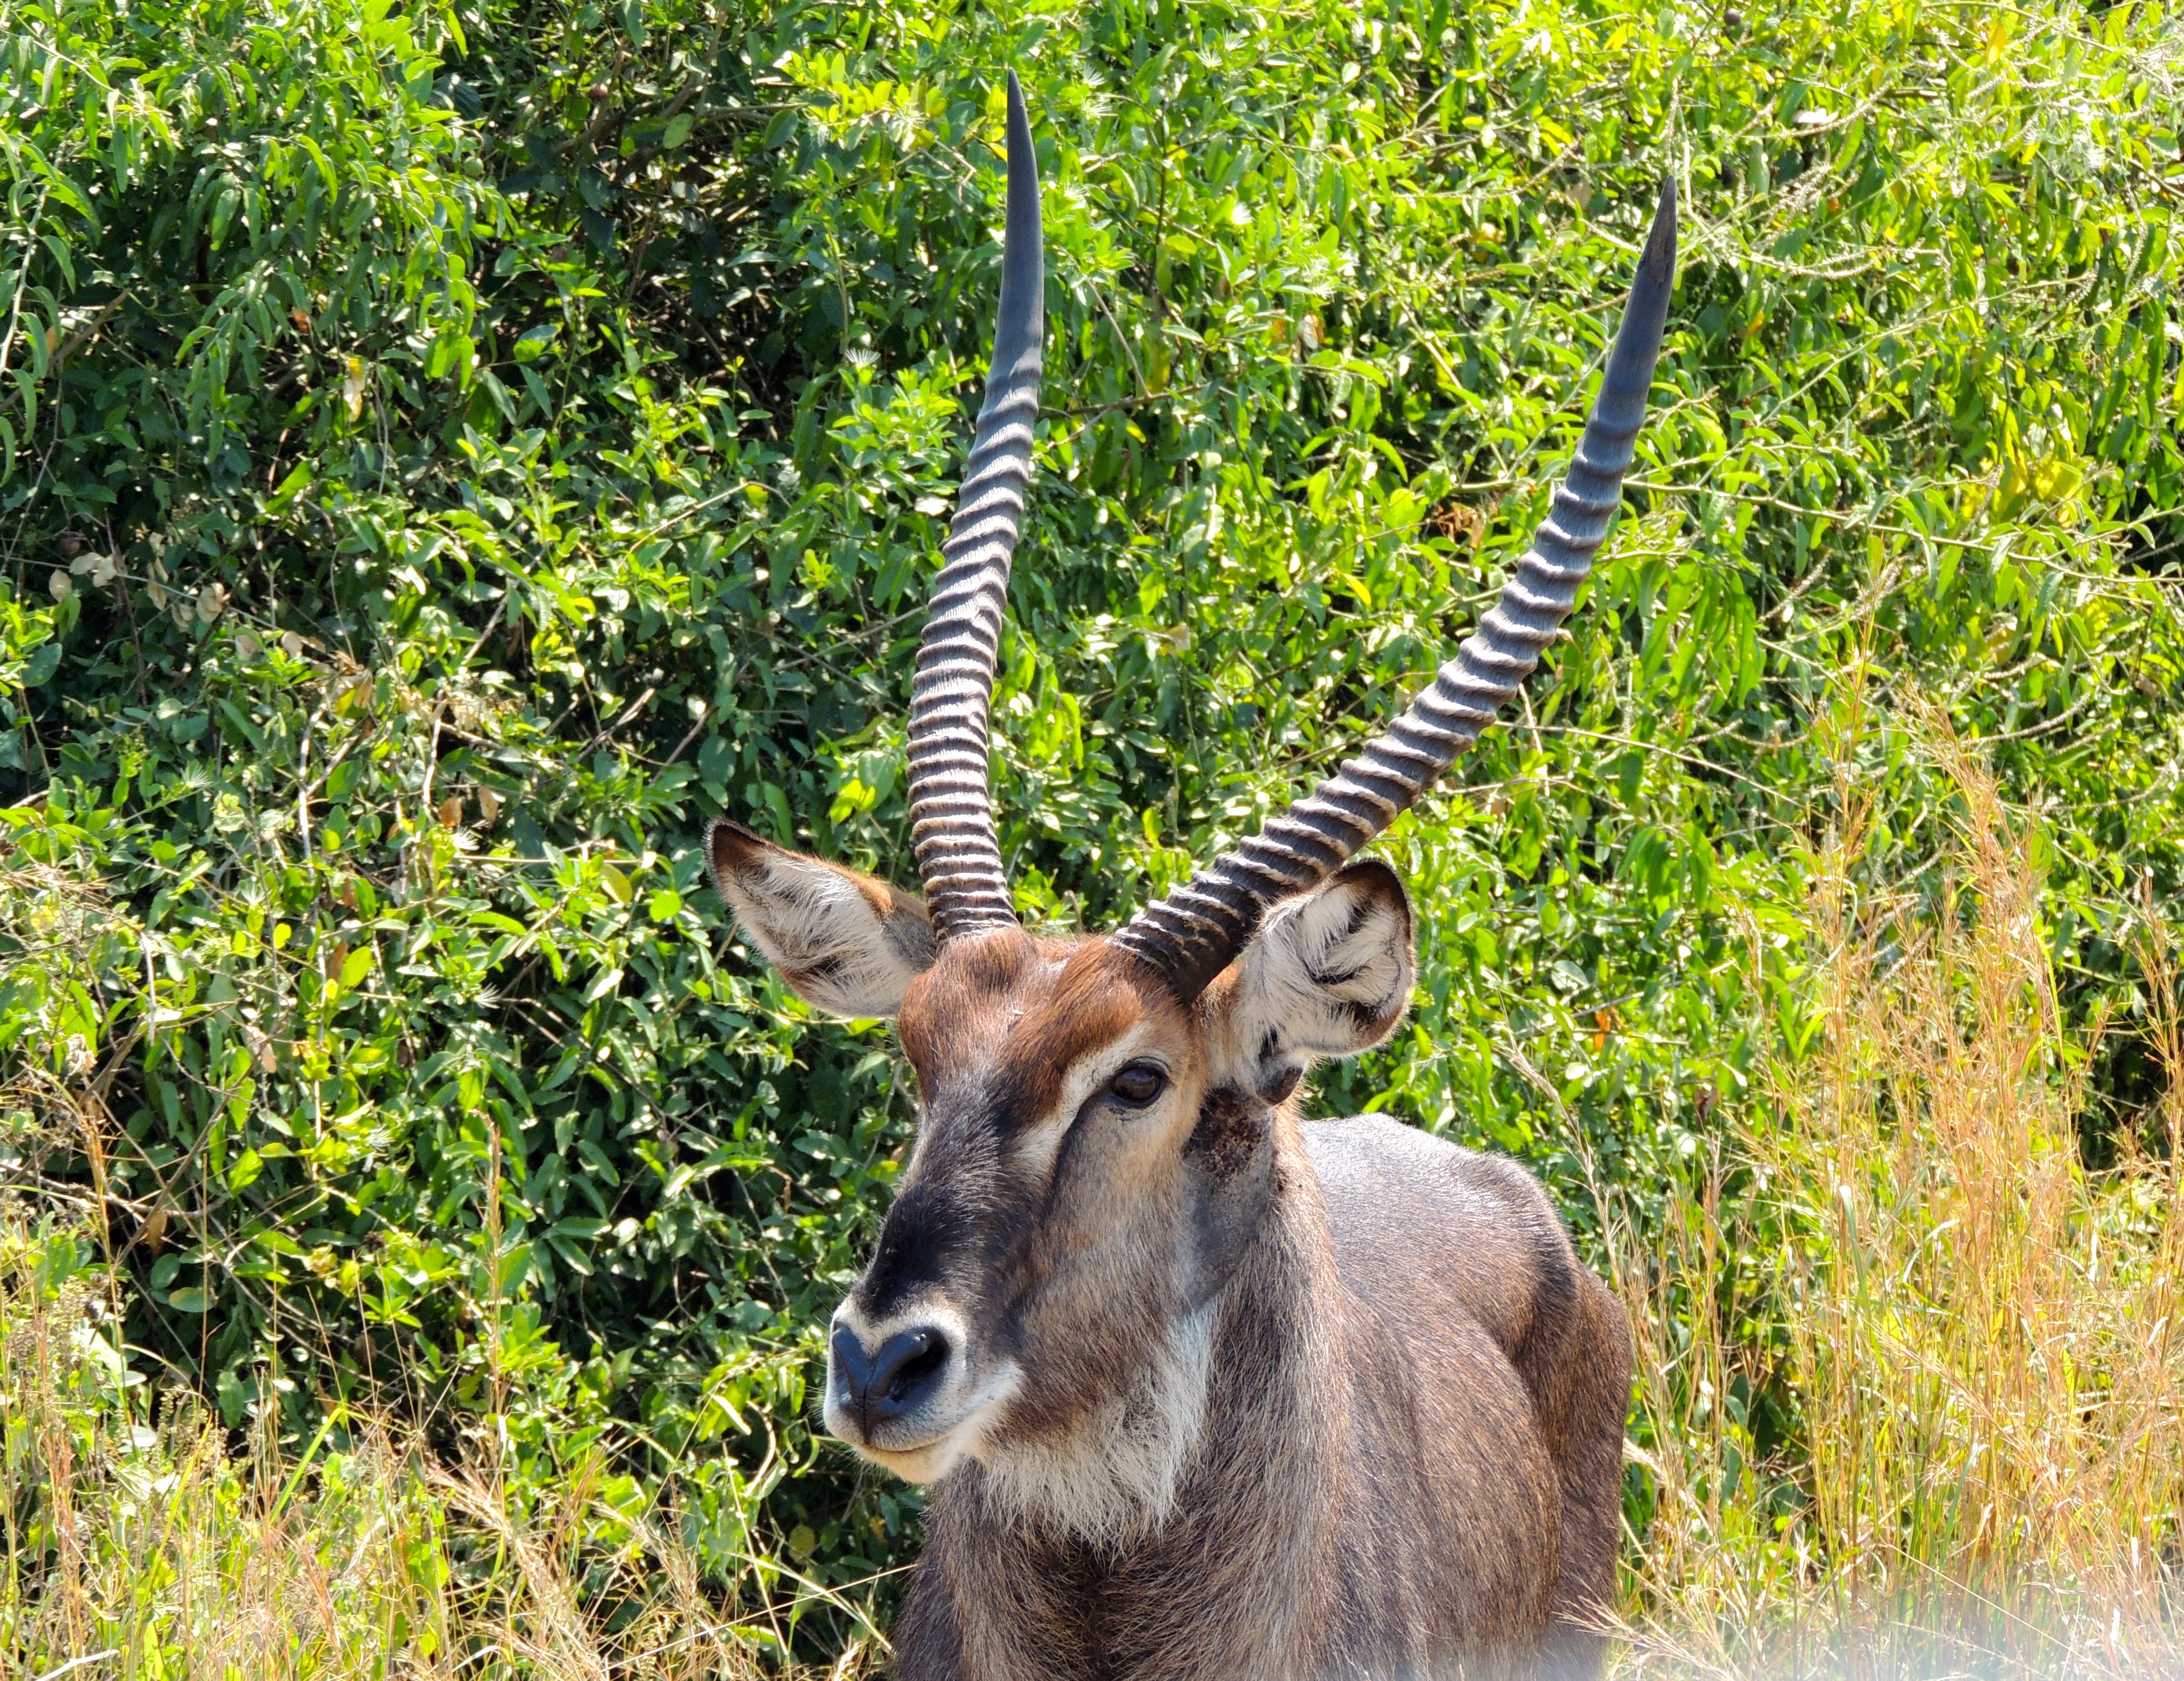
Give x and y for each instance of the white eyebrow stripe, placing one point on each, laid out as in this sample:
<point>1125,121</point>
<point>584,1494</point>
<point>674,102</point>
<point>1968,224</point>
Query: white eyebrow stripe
<point>1040,1144</point>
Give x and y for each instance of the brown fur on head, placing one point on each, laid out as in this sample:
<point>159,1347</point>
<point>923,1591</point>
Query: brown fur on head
<point>1090,1161</point>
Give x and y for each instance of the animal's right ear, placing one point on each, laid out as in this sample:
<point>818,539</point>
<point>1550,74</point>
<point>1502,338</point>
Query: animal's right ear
<point>845,942</point>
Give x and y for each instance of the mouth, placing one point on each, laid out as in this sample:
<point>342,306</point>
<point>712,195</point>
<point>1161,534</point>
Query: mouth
<point>933,1455</point>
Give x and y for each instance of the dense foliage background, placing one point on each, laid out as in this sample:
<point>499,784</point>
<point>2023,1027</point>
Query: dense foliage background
<point>450,453</point>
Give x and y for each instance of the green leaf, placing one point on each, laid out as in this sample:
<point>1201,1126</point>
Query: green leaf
<point>532,342</point>
<point>244,1170</point>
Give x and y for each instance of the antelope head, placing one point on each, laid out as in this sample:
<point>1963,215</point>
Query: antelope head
<point>1096,1137</point>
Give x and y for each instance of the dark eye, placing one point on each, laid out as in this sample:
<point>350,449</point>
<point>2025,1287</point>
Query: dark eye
<point>1140,1083</point>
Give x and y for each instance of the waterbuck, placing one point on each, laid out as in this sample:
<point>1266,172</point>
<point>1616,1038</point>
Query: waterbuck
<point>1205,1388</point>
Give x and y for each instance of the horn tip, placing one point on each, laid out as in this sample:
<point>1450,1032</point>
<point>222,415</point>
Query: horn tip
<point>1023,166</point>
<point>1659,260</point>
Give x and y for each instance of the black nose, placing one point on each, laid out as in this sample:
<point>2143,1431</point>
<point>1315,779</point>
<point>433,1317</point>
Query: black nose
<point>891,1380</point>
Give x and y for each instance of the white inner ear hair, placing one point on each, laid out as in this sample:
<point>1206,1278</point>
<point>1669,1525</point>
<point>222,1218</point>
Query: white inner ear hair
<point>1324,973</point>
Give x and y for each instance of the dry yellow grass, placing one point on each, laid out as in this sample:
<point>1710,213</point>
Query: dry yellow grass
<point>1986,1470</point>
<point>148,1552</point>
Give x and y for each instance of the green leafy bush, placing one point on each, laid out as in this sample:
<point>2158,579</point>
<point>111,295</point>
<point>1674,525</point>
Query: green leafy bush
<point>451,453</point>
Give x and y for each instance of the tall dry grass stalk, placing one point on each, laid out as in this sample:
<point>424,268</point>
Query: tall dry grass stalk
<point>133,1549</point>
<point>1985,1470</point>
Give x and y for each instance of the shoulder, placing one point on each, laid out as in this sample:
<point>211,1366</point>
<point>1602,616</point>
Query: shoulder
<point>1373,1153</point>
<point>1422,1226</point>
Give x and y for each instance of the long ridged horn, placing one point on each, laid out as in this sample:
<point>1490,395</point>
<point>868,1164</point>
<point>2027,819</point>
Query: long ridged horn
<point>1194,932</point>
<point>952,817</point>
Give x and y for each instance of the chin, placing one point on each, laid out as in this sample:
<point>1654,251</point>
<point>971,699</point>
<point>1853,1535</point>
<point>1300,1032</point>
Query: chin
<point>927,1464</point>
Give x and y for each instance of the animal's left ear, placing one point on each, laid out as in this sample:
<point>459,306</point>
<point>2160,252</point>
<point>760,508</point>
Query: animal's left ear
<point>1330,974</point>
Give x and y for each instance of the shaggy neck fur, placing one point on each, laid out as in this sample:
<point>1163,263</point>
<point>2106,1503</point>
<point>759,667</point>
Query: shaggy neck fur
<point>1114,1478</point>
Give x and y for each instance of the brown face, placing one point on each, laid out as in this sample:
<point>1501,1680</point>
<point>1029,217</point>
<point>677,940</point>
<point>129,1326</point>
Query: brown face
<point>1090,1162</point>
<point>1042,1235</point>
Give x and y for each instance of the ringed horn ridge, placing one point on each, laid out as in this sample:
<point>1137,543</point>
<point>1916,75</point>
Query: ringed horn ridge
<point>952,817</point>
<point>1194,932</point>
